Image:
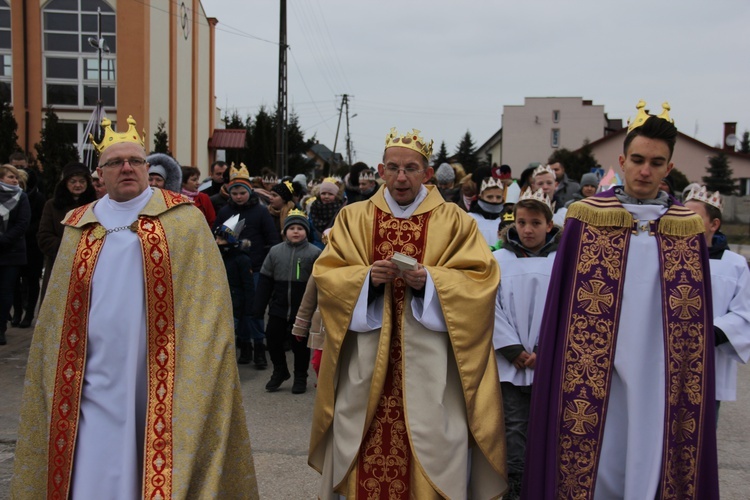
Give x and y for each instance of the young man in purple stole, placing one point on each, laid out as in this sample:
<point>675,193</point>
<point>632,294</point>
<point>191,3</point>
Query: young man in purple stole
<point>623,400</point>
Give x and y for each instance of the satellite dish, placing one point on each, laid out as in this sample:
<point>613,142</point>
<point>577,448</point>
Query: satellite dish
<point>731,140</point>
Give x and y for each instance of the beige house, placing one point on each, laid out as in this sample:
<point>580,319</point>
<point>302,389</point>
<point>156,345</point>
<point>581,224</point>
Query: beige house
<point>160,66</point>
<point>533,131</point>
<point>690,157</point>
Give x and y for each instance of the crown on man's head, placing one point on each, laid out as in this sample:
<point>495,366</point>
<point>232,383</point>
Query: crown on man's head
<point>489,183</point>
<point>411,140</point>
<point>701,194</point>
<point>543,169</point>
<point>111,137</point>
<point>642,115</point>
<point>537,195</point>
<point>240,173</point>
<point>367,175</point>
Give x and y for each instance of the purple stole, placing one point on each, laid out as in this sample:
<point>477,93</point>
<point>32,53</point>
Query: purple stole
<point>577,351</point>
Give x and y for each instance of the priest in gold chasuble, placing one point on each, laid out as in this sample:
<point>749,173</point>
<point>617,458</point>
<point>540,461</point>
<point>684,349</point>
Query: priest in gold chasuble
<point>132,388</point>
<point>408,402</point>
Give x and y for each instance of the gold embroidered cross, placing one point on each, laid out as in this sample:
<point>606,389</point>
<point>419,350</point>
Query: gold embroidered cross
<point>687,299</point>
<point>595,292</point>
<point>580,417</point>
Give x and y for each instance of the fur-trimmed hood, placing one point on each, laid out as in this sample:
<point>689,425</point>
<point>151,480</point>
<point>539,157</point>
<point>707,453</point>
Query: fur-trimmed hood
<point>173,182</point>
<point>512,242</point>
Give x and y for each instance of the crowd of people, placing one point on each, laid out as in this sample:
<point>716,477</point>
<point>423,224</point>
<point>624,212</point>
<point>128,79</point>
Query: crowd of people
<point>473,335</point>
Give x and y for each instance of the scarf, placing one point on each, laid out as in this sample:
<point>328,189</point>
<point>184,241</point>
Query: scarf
<point>281,213</point>
<point>322,214</point>
<point>190,194</point>
<point>9,198</point>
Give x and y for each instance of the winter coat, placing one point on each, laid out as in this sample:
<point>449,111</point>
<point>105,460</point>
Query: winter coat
<point>13,239</point>
<point>240,277</point>
<point>259,227</point>
<point>283,279</point>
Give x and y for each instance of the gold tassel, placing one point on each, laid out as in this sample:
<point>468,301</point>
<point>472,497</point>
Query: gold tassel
<point>672,225</point>
<point>599,216</point>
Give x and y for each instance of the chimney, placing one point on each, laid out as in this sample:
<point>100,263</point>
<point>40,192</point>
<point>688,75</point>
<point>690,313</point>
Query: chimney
<point>730,128</point>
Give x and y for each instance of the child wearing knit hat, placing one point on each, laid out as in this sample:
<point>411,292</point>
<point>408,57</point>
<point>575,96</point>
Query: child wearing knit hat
<point>324,209</point>
<point>282,283</point>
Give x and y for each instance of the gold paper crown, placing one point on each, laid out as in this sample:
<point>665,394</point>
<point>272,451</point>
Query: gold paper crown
<point>490,183</point>
<point>336,180</point>
<point>111,137</point>
<point>536,196</point>
<point>412,141</point>
<point>289,186</point>
<point>240,173</point>
<point>700,194</point>
<point>642,116</point>
<point>509,217</point>
<point>542,169</point>
<point>297,212</point>
<point>367,175</point>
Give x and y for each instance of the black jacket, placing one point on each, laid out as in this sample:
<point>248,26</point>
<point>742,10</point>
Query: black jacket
<point>259,227</point>
<point>13,239</point>
<point>240,277</point>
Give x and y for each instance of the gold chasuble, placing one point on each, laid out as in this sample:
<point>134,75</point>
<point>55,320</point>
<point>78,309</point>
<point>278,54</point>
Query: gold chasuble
<point>404,411</point>
<point>196,439</point>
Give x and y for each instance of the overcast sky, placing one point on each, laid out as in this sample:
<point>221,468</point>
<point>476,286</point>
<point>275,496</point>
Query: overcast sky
<point>448,67</point>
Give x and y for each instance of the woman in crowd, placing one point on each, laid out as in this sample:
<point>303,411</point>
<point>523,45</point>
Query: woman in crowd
<point>75,189</point>
<point>15,215</point>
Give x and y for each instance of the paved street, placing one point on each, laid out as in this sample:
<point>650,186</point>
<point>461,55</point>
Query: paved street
<point>280,424</point>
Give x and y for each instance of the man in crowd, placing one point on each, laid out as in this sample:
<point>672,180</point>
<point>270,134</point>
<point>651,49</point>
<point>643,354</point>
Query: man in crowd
<point>115,404</point>
<point>566,187</point>
<point>408,401</point>
<point>367,184</point>
<point>623,400</point>
<point>217,177</point>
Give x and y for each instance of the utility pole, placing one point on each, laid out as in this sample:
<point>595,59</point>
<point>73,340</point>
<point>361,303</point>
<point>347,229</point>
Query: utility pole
<point>281,107</point>
<point>348,137</point>
<point>344,102</point>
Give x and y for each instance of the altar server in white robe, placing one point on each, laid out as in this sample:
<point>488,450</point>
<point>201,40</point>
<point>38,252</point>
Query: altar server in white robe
<point>730,286</point>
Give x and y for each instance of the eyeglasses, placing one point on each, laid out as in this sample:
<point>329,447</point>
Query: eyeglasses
<point>120,162</point>
<point>409,171</point>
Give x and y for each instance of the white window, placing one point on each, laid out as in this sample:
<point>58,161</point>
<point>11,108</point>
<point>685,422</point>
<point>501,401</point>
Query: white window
<point>6,66</point>
<point>555,141</point>
<point>556,116</point>
<point>71,63</point>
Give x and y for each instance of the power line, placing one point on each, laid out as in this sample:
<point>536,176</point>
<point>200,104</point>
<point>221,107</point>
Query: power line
<point>294,60</point>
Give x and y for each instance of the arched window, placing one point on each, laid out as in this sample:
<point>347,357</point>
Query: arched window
<point>6,68</point>
<point>71,62</point>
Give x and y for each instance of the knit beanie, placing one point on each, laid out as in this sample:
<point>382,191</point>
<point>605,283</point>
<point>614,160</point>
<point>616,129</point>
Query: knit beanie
<point>158,170</point>
<point>445,173</point>
<point>329,187</point>
<point>297,217</point>
<point>589,179</point>
<point>284,189</point>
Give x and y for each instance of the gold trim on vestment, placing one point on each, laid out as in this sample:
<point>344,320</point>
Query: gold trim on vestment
<point>71,364</point>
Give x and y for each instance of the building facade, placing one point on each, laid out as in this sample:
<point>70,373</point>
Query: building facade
<point>531,132</point>
<point>158,65</point>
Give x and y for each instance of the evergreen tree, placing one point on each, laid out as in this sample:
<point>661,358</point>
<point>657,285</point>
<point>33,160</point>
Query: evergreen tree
<point>161,138</point>
<point>719,176</point>
<point>8,136</point>
<point>442,156</point>
<point>297,147</point>
<point>679,180</point>
<point>466,153</point>
<point>745,143</point>
<point>261,142</point>
<point>235,122</point>
<point>55,150</point>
